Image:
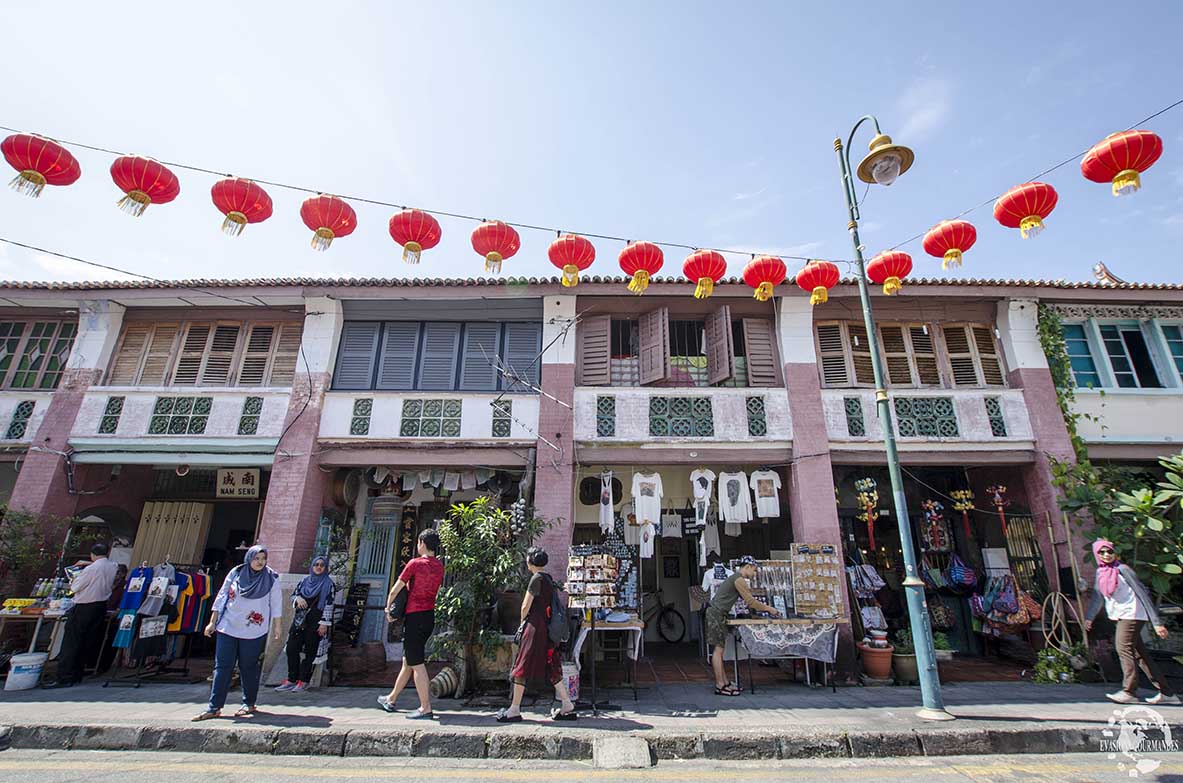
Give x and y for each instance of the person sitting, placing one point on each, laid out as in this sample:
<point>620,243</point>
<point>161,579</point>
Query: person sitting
<point>733,588</point>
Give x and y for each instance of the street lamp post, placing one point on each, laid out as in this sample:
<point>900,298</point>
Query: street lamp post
<point>883,164</point>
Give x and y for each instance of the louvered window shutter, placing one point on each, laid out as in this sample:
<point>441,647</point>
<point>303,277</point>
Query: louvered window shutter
<point>523,341</point>
<point>860,354</point>
<point>654,345</point>
<point>256,355</point>
<point>961,358</point>
<point>760,346</point>
<point>991,365</point>
<point>831,352</point>
<point>125,368</point>
<point>595,350</point>
<point>396,362</point>
<point>356,356</point>
<point>161,348</point>
<point>720,348</point>
<point>478,360</point>
<point>287,349</point>
<point>924,353</point>
<point>437,362</point>
<point>219,360</point>
<point>193,347</point>
<point>895,352</point>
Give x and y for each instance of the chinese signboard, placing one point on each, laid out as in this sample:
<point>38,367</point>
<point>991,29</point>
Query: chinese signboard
<point>238,483</point>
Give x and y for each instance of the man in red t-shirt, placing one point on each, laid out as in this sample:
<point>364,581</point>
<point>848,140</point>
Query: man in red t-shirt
<point>421,578</point>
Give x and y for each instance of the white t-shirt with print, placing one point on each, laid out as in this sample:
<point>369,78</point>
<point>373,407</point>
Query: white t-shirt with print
<point>647,493</point>
<point>648,536</point>
<point>735,500</point>
<point>702,480</point>
<point>606,502</point>
<point>765,484</point>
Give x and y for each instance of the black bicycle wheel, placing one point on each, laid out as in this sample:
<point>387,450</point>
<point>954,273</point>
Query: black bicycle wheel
<point>670,625</point>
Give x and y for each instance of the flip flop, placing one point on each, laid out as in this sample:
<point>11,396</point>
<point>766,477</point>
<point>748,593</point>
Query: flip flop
<point>244,712</point>
<point>728,690</point>
<point>502,717</point>
<point>559,715</point>
<point>207,715</point>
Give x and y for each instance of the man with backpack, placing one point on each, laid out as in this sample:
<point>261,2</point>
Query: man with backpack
<point>544,628</point>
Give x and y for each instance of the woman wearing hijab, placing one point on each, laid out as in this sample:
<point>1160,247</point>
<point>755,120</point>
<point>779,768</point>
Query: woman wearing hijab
<point>249,603</point>
<point>1127,602</point>
<point>313,602</point>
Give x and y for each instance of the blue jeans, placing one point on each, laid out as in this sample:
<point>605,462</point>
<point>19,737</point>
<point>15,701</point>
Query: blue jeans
<point>246,653</point>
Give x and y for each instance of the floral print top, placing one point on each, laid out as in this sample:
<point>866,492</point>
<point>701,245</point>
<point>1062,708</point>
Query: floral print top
<point>246,618</point>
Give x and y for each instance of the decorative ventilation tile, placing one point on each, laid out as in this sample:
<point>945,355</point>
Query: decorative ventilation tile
<point>430,419</point>
<point>926,417</point>
<point>994,412</point>
<point>502,418</point>
<point>363,408</point>
<point>248,422</point>
<point>180,415</point>
<point>109,423</point>
<point>757,423</point>
<point>681,417</point>
<point>605,416</point>
<point>855,427</point>
<point>20,419</point>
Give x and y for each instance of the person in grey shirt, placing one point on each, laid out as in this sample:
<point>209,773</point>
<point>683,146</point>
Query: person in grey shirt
<point>733,588</point>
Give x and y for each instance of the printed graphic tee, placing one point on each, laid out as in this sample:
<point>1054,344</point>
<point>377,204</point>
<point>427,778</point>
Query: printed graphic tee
<point>765,484</point>
<point>648,536</point>
<point>702,481</point>
<point>647,493</point>
<point>735,500</point>
<point>606,502</point>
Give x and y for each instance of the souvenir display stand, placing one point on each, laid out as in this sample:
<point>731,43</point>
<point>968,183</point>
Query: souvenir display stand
<point>593,585</point>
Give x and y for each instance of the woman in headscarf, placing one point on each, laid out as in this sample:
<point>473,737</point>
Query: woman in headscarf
<point>313,602</point>
<point>1128,603</point>
<point>249,603</point>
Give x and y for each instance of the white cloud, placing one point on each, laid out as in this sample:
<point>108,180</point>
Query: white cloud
<point>19,264</point>
<point>747,196</point>
<point>926,105</point>
<point>805,249</point>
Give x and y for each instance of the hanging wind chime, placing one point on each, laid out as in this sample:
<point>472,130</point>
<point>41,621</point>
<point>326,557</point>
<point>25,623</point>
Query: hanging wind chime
<point>38,162</point>
<point>496,241</point>
<point>816,278</point>
<point>143,181</point>
<point>998,499</point>
<point>640,260</point>
<point>888,269</point>
<point>328,217</point>
<point>416,231</point>
<point>868,500</point>
<point>963,501</point>
<point>948,241</point>
<point>1120,158</point>
<point>704,268</point>
<point>242,202</point>
<point>572,254</point>
<point>763,273</point>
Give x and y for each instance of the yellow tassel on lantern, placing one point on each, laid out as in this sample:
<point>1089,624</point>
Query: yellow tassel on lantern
<point>29,182</point>
<point>135,202</point>
<point>952,258</point>
<point>322,238</point>
<point>763,292</point>
<point>570,276</point>
<point>820,295</point>
<point>1030,226</point>
<point>493,263</point>
<point>639,282</point>
<point>704,288</point>
<point>892,285</point>
<point>234,223</point>
<point>1126,182</point>
<point>411,252</point>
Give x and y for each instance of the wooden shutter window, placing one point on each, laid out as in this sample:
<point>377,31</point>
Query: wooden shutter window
<point>193,347</point>
<point>831,351</point>
<point>125,367</point>
<point>396,360</point>
<point>522,343</point>
<point>594,347</point>
<point>219,359</point>
<point>924,354</point>
<point>437,362</point>
<point>283,360</point>
<point>654,350</point>
<point>860,354</point>
<point>987,349</point>
<point>961,358</point>
<point>760,346</point>
<point>478,360</point>
<point>720,348</point>
<point>895,354</point>
<point>256,355</point>
<point>356,355</point>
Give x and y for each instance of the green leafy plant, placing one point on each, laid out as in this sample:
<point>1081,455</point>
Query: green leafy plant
<point>902,642</point>
<point>30,545</point>
<point>1156,547</point>
<point>1059,667</point>
<point>940,641</point>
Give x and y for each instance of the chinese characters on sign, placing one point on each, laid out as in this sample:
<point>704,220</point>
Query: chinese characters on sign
<point>238,483</point>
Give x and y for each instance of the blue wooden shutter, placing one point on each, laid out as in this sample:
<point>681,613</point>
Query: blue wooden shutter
<point>478,362</point>
<point>396,362</point>
<point>355,358</point>
<point>437,359</point>
<point>523,341</point>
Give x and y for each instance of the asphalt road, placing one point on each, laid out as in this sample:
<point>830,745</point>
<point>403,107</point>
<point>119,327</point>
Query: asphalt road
<point>29,766</point>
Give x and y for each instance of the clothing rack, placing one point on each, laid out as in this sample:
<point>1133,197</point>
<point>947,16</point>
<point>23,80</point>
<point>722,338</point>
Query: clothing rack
<point>135,678</point>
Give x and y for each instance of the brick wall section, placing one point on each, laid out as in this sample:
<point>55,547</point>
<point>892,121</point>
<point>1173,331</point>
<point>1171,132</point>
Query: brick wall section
<point>41,486</point>
<point>295,496</point>
<point>554,476</point>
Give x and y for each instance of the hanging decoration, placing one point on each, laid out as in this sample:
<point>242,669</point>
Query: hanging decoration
<point>868,500</point>
<point>329,217</point>
<point>496,241</point>
<point>572,254</point>
<point>949,239</point>
<point>38,162</point>
<point>1121,158</point>
<point>416,231</point>
<point>242,202</point>
<point>888,269</point>
<point>704,267</point>
<point>144,181</point>
<point>816,278</point>
<point>998,499</point>
<point>640,260</point>
<point>935,531</point>
<point>963,501</point>
<point>1025,207</point>
<point>764,272</point>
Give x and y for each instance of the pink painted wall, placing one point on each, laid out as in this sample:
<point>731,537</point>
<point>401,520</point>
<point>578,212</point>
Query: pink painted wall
<point>554,475</point>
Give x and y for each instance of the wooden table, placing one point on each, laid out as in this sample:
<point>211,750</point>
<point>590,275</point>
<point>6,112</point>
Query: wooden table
<point>735,624</point>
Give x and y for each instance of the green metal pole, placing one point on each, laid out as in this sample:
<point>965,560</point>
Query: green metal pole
<point>930,683</point>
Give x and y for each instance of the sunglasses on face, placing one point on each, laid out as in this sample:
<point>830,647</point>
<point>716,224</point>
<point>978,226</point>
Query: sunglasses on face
<point>1105,552</point>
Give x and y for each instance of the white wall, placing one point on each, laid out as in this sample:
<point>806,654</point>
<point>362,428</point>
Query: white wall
<point>972,422</point>
<point>139,403</point>
<point>8,402</point>
<point>476,422</point>
<point>729,407</point>
<point>1130,416</point>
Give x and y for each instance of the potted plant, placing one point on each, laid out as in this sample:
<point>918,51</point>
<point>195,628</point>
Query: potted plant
<point>876,660</point>
<point>940,643</point>
<point>903,659</point>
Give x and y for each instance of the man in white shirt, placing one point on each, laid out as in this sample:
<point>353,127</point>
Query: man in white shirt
<point>91,587</point>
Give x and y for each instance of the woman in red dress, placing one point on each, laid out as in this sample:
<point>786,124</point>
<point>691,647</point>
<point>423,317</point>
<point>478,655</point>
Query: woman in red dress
<point>538,661</point>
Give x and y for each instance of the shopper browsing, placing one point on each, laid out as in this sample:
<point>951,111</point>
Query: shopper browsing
<point>92,588</point>
<point>249,603</point>
<point>421,578</point>
<point>313,602</point>
<point>733,588</point>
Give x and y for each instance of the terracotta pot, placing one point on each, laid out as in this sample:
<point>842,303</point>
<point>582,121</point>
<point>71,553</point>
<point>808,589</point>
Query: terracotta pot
<point>905,667</point>
<point>876,661</point>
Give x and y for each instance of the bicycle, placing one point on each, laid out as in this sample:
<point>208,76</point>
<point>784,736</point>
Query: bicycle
<point>671,626</point>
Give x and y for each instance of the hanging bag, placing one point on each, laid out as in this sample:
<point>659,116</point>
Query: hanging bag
<point>1007,601</point>
<point>960,574</point>
<point>1030,604</point>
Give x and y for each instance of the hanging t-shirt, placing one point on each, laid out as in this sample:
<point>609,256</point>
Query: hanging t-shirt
<point>735,500</point>
<point>702,481</point>
<point>647,493</point>
<point>184,599</point>
<point>713,577</point>
<point>765,483</point>
<point>607,520</point>
<point>632,528</point>
<point>138,582</point>
<point>648,536</point>
<point>162,578</point>
<point>709,542</point>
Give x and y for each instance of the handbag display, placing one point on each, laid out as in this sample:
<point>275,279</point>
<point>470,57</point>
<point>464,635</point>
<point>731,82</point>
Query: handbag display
<point>960,574</point>
<point>1030,604</point>
<point>1007,601</point>
<point>873,618</point>
<point>942,617</point>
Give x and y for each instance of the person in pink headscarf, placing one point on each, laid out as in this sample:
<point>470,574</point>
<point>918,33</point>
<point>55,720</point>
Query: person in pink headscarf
<point>1127,602</point>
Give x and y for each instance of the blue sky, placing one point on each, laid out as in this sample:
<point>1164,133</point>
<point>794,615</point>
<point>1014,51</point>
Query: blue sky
<point>702,123</point>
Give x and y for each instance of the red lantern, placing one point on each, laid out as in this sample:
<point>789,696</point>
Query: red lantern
<point>145,182</point>
<point>888,269</point>
<point>573,254</point>
<point>496,241</point>
<point>1120,158</point>
<point>764,272</point>
<point>329,217</point>
<point>641,260</point>
<point>1024,207</point>
<point>416,231</point>
<point>704,267</point>
<point>817,278</point>
<point>242,202</point>
<point>39,162</point>
<point>949,239</point>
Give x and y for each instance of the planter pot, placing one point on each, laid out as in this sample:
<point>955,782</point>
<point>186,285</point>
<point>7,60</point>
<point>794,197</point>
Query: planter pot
<point>876,661</point>
<point>944,655</point>
<point>905,668</point>
<point>509,611</point>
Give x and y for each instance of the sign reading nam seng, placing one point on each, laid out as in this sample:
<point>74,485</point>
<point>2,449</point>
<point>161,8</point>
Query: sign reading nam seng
<point>238,483</point>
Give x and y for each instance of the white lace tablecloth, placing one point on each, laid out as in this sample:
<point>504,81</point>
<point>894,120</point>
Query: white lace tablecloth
<point>818,641</point>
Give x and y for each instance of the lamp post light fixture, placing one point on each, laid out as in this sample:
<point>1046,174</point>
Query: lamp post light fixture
<point>883,165</point>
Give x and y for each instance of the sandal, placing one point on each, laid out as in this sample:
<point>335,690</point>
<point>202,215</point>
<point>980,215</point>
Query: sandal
<point>207,715</point>
<point>244,712</point>
<point>560,715</point>
<point>728,690</point>
<point>505,717</point>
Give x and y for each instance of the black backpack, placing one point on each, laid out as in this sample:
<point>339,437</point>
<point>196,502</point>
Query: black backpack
<point>558,624</point>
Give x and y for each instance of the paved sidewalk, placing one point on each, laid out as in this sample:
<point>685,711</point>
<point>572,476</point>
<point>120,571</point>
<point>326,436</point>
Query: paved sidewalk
<point>676,721</point>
